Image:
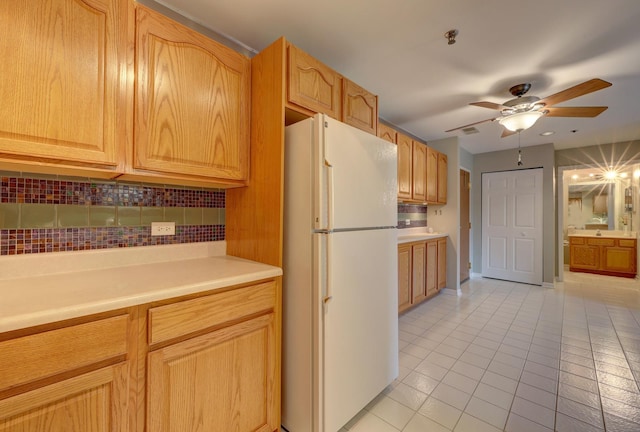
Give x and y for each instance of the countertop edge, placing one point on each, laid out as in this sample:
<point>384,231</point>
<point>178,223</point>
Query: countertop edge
<point>93,302</point>
<point>420,237</point>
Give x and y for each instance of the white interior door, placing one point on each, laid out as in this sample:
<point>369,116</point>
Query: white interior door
<point>512,225</point>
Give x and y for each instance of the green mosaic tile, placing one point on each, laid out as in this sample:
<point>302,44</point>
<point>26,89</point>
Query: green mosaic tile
<point>129,216</point>
<point>193,216</point>
<point>102,216</point>
<point>152,214</point>
<point>211,216</point>
<point>9,215</point>
<point>174,214</point>
<point>72,216</point>
<point>37,216</point>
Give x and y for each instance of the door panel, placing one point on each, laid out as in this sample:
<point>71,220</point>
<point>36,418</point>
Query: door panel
<point>359,175</point>
<point>465,225</point>
<point>360,322</point>
<point>512,225</point>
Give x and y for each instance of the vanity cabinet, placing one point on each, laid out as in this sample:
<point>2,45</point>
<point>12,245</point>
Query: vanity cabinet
<point>64,86</point>
<point>192,103</point>
<point>69,377</point>
<point>603,255</point>
<point>421,271</point>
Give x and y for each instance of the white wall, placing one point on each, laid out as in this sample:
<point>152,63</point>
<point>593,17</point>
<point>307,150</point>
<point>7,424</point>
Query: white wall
<point>446,218</point>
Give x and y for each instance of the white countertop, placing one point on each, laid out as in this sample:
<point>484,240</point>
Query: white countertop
<point>604,234</point>
<point>408,235</point>
<point>44,297</point>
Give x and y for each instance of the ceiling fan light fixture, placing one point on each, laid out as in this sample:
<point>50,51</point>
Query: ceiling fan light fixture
<point>521,120</point>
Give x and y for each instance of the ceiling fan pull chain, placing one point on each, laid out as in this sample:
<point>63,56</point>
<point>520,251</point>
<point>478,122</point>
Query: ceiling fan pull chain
<point>519,152</point>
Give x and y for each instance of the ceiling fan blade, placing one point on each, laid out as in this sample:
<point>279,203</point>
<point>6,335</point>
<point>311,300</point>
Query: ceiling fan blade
<point>490,105</point>
<point>576,91</point>
<point>506,132</point>
<point>574,111</point>
<point>470,124</point>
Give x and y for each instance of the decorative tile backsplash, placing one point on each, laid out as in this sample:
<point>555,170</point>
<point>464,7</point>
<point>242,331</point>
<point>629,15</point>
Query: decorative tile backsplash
<point>416,214</point>
<point>49,214</point>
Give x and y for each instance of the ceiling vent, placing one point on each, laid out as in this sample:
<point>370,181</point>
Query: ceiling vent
<point>470,131</point>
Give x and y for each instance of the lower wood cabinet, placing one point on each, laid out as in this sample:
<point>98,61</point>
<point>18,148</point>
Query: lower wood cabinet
<point>421,271</point>
<point>603,255</point>
<point>67,378</point>
<point>206,362</point>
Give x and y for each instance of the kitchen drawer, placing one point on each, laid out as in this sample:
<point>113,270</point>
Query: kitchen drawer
<point>626,243</point>
<point>41,355</point>
<point>601,241</point>
<point>576,240</point>
<point>190,316</point>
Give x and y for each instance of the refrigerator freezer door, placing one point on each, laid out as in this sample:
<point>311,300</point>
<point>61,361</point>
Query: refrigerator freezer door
<point>360,323</point>
<point>356,186</point>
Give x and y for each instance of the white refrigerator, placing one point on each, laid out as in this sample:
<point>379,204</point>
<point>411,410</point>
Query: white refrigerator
<point>340,301</point>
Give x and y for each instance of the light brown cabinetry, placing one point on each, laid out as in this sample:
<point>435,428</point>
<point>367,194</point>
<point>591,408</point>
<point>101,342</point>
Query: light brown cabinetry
<point>419,174</point>
<point>218,370</point>
<point>437,168</point>
<point>64,84</point>
<point>67,378</point>
<point>421,271</point>
<point>603,255</point>
<point>404,276</point>
<point>359,107</point>
<point>313,85</point>
<point>207,361</point>
<point>405,167</point>
<point>317,88</point>
<point>387,133</point>
<point>192,105</point>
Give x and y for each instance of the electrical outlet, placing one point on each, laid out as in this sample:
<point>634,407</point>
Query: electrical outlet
<point>163,228</point>
<point>407,221</point>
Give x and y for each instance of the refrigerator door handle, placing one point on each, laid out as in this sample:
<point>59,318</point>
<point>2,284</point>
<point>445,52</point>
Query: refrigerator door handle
<point>329,275</point>
<point>330,183</point>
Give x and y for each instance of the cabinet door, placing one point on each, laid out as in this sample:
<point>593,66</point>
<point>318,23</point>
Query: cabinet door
<point>404,277</point>
<point>93,402</point>
<point>419,177</point>
<point>442,263</point>
<point>64,80</point>
<point>192,102</point>
<point>432,267</point>
<point>386,133</point>
<point>619,259</point>
<point>442,178</point>
<point>418,260</point>
<point>218,382</point>
<point>359,107</point>
<point>584,256</point>
<point>405,166</point>
<point>313,85</point>
<point>432,175</point>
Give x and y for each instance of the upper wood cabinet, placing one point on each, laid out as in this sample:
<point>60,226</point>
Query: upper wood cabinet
<point>64,82</point>
<point>419,175</point>
<point>387,133</point>
<point>437,168</point>
<point>405,167</point>
<point>316,88</point>
<point>313,85</point>
<point>192,102</point>
<point>359,107</point>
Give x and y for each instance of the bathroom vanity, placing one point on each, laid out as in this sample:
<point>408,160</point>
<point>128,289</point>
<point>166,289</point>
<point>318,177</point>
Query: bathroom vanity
<point>611,253</point>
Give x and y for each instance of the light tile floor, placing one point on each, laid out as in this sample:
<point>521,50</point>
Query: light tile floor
<point>502,356</point>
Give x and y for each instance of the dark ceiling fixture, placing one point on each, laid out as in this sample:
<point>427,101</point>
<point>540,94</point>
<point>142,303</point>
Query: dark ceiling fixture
<point>451,36</point>
<point>522,112</point>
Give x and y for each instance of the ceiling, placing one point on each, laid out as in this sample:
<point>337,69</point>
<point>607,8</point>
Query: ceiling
<point>397,50</point>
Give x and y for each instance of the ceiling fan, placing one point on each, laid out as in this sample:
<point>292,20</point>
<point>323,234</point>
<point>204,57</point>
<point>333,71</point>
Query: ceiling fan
<point>522,112</point>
